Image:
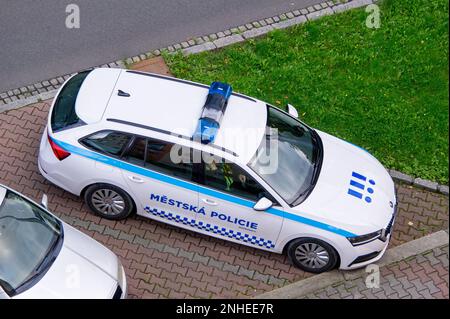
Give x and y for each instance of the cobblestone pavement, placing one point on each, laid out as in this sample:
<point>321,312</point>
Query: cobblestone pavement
<point>424,276</point>
<point>164,261</point>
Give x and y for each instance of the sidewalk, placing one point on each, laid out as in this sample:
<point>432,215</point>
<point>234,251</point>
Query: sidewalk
<point>424,276</point>
<point>415,270</point>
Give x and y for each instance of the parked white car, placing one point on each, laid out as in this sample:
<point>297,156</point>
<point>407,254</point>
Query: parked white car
<point>133,142</point>
<point>42,257</point>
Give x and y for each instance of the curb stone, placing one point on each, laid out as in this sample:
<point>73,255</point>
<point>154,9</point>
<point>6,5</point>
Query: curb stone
<point>309,285</point>
<point>16,98</point>
<point>419,182</point>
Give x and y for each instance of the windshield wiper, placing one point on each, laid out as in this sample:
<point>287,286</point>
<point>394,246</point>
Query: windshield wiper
<point>44,264</point>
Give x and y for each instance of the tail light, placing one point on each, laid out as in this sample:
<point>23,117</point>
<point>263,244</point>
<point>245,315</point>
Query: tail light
<point>59,152</point>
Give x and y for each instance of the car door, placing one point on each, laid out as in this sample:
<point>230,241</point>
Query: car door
<point>162,185</point>
<point>229,193</point>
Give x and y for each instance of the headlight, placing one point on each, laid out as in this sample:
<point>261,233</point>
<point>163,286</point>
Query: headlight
<point>364,239</point>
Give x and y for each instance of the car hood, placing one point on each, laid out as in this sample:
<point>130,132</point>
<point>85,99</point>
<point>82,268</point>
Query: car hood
<point>83,269</point>
<point>353,192</point>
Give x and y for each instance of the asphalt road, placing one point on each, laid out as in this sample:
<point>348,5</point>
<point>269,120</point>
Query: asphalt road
<point>36,45</point>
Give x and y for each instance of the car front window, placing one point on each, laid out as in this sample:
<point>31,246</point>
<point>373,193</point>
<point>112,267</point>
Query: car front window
<point>28,237</point>
<point>288,157</point>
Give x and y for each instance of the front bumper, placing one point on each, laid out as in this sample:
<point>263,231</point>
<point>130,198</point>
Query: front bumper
<point>373,251</point>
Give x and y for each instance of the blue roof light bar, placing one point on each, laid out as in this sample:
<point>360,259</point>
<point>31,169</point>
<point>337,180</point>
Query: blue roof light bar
<point>212,113</point>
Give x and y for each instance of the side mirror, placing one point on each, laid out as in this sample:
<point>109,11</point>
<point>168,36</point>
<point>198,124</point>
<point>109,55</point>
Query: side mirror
<point>44,201</point>
<point>263,204</point>
<point>292,110</point>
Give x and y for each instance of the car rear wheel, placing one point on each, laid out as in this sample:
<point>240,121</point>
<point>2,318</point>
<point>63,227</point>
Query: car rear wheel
<point>312,255</point>
<point>108,201</point>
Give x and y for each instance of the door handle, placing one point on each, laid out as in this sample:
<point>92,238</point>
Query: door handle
<point>135,179</point>
<point>209,202</point>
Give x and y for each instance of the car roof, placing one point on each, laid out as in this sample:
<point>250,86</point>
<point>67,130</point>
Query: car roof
<point>171,105</point>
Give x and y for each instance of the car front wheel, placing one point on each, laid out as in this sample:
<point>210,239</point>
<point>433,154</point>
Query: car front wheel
<point>108,201</point>
<point>312,255</point>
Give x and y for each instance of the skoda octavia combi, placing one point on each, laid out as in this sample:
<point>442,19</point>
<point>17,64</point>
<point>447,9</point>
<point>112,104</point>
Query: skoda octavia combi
<point>41,257</point>
<point>217,162</point>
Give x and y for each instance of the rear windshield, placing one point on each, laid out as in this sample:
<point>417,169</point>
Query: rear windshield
<point>64,116</point>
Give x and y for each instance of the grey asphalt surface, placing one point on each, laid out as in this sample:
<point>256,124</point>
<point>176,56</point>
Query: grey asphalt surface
<point>36,45</point>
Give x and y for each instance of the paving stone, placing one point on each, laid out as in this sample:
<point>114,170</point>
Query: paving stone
<point>186,254</point>
<point>170,250</point>
<point>319,14</point>
<point>125,236</point>
<point>207,46</point>
<point>289,23</point>
<point>157,246</point>
<point>199,40</point>
<point>231,268</point>
<point>257,32</point>
<point>215,263</point>
<point>97,228</point>
<point>399,176</point>
<point>246,272</point>
<point>232,39</point>
<point>419,182</point>
<point>351,5</point>
<point>443,189</point>
<point>242,28</point>
<point>200,259</point>
<point>141,241</point>
<point>261,277</point>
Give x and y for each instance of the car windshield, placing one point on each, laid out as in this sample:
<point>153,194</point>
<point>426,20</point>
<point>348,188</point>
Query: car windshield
<point>28,237</point>
<point>288,156</point>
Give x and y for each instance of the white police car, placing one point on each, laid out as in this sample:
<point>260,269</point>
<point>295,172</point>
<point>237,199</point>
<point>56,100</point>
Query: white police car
<point>42,257</point>
<point>232,167</point>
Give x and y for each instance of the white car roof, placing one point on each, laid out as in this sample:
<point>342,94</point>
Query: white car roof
<point>171,105</point>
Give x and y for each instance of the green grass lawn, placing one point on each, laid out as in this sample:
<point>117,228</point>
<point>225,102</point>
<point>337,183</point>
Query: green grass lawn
<point>383,89</point>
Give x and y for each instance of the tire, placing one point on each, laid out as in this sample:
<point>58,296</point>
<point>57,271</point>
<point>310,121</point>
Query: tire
<point>108,201</point>
<point>312,255</point>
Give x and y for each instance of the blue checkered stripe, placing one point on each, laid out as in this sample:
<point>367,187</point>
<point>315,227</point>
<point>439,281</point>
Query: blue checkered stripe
<point>211,228</point>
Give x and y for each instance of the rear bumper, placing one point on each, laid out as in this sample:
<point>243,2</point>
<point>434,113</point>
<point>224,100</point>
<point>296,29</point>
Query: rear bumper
<point>48,163</point>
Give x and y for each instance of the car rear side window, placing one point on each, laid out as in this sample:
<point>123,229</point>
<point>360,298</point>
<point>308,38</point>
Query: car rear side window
<point>64,115</point>
<point>108,142</point>
<point>136,154</point>
<point>160,156</point>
